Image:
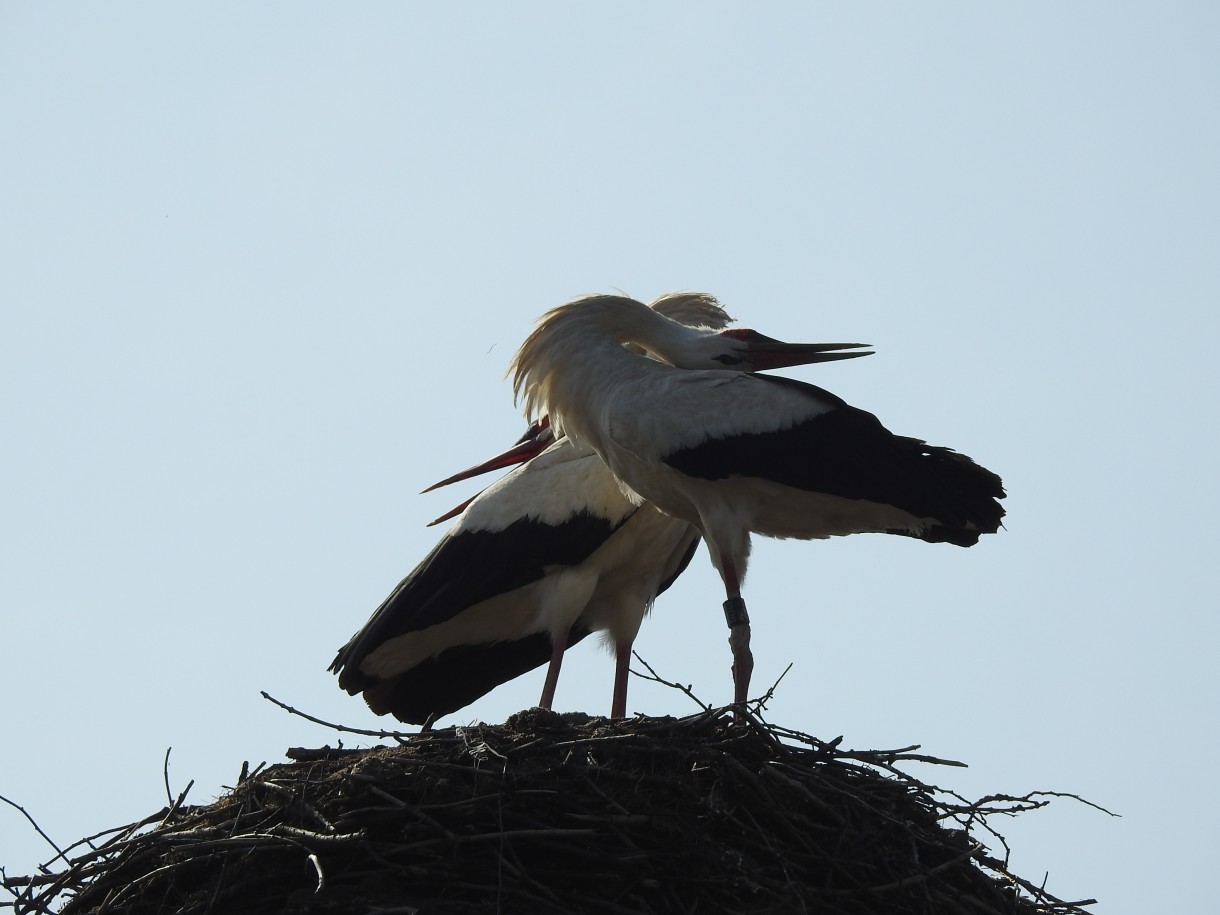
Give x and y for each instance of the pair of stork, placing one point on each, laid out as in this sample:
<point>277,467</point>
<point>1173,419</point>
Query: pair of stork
<point>652,431</point>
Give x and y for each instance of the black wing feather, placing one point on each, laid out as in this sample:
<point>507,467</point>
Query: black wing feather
<point>458,676</point>
<point>465,569</point>
<point>847,452</point>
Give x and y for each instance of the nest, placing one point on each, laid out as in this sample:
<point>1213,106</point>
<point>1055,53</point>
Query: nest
<point>553,813</point>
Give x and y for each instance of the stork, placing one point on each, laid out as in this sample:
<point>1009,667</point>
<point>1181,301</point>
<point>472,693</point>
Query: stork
<point>540,559</point>
<point>734,453</point>
<point>548,554</point>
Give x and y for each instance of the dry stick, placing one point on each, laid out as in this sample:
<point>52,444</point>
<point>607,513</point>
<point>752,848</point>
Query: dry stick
<point>87,864</point>
<point>320,754</point>
<point>761,702</point>
<point>411,809</point>
<point>1036,805</point>
<point>220,886</point>
<point>771,770</point>
<point>905,881</point>
<point>33,822</point>
<point>760,727</point>
<point>885,759</point>
<point>881,758</point>
<point>711,713</point>
<point>656,678</point>
<point>169,795</point>
<point>257,769</point>
<point>175,805</point>
<point>29,902</point>
<point>1037,892</point>
<point>118,834</point>
<point>400,736</point>
<point>305,806</point>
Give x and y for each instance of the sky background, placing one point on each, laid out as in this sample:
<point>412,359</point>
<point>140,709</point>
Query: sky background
<point>263,267</point>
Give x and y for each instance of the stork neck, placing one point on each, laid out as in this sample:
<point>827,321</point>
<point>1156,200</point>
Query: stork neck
<point>577,357</point>
<point>583,386</point>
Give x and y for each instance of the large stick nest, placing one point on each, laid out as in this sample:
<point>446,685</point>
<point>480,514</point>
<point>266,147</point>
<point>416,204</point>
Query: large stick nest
<point>562,814</point>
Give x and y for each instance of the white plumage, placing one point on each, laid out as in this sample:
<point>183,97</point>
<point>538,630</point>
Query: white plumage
<point>537,561</point>
<point>733,453</point>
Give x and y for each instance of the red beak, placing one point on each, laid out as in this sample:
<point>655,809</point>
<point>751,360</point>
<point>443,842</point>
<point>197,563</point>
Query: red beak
<point>768,353</point>
<point>537,438</point>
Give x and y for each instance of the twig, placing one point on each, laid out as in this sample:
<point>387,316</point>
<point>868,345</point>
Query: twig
<point>826,808</point>
<point>656,678</point>
<point>761,702</point>
<point>304,805</point>
<point>1037,892</point>
<point>169,795</point>
<point>25,813</point>
<point>911,880</point>
<point>400,736</point>
<point>176,804</point>
<point>1027,798</point>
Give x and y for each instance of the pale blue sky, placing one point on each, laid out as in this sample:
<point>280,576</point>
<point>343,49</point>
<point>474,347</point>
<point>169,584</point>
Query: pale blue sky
<point>264,265</point>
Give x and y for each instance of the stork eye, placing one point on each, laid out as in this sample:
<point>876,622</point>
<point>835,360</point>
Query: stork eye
<point>726,359</point>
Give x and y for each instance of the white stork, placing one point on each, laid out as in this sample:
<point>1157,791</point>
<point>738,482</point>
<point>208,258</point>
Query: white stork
<point>537,561</point>
<point>733,453</point>
<point>548,554</point>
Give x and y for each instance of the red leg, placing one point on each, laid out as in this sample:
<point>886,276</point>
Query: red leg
<point>743,660</point>
<point>559,644</point>
<point>622,662</point>
<point>739,633</point>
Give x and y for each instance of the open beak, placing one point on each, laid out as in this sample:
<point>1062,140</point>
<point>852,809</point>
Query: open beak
<point>768,353</point>
<point>453,512</point>
<point>537,438</point>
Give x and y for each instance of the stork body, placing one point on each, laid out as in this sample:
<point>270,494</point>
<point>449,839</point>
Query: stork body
<point>551,552</point>
<point>544,556</point>
<point>733,453</point>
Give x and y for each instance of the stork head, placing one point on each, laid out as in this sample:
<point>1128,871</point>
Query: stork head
<point>572,349</point>
<point>747,350</point>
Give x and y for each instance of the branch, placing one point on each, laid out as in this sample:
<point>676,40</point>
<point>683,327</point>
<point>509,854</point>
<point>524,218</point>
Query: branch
<point>656,678</point>
<point>761,702</point>
<point>33,822</point>
<point>400,736</point>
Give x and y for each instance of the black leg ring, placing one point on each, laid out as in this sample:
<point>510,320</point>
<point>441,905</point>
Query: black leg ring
<point>735,612</point>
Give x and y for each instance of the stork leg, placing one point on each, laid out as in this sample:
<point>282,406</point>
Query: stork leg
<point>739,633</point>
<point>622,661</point>
<point>559,644</point>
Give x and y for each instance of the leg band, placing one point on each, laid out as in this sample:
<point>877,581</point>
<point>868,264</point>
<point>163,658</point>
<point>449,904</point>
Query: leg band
<point>735,612</point>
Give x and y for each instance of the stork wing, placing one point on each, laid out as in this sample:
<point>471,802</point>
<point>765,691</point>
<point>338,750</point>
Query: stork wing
<point>839,450</point>
<point>464,620</point>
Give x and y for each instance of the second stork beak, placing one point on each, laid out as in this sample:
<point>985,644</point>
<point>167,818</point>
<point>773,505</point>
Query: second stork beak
<point>537,438</point>
<point>768,353</point>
